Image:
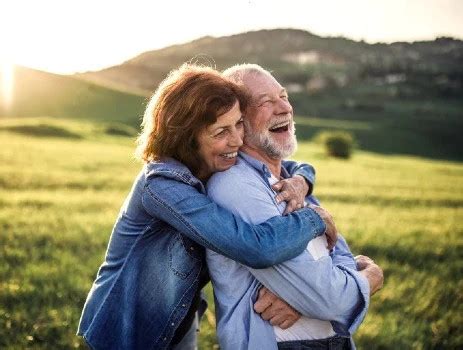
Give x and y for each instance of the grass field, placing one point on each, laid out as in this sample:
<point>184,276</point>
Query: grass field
<point>62,183</point>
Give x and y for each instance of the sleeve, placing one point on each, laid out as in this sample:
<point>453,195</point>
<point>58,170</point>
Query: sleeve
<point>307,171</point>
<point>200,219</point>
<point>329,288</point>
<point>342,255</point>
<point>320,289</point>
<point>316,288</point>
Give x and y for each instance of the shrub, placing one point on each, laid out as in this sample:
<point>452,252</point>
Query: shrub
<point>339,144</point>
<point>120,130</point>
<point>43,130</point>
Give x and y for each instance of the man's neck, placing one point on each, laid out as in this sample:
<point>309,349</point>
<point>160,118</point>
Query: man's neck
<point>274,165</point>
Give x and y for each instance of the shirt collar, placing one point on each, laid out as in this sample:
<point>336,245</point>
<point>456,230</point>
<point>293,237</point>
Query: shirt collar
<point>261,167</point>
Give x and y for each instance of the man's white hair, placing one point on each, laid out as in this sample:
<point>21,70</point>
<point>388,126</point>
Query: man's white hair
<point>238,72</point>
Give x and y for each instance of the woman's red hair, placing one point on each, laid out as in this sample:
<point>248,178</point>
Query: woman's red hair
<point>188,100</point>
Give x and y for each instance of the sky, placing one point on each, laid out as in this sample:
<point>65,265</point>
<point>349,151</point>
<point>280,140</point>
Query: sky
<point>68,36</point>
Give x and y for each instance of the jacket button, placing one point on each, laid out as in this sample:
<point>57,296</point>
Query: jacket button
<point>165,339</point>
<point>183,305</point>
<point>192,248</point>
<point>172,324</point>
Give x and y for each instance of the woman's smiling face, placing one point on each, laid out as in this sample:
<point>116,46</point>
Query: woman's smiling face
<point>219,142</point>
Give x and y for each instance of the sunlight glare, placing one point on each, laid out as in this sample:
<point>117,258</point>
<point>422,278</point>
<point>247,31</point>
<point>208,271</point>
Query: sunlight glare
<point>7,84</point>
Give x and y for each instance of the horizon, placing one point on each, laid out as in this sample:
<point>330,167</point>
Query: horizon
<point>9,63</point>
<point>78,36</point>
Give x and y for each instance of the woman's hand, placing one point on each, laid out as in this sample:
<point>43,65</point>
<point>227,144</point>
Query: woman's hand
<point>292,191</point>
<point>276,311</point>
<point>331,231</point>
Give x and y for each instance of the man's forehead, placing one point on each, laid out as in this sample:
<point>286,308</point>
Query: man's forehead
<point>261,85</point>
<point>278,89</point>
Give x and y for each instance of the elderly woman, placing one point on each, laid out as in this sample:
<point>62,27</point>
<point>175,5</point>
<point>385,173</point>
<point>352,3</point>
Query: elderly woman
<point>147,291</point>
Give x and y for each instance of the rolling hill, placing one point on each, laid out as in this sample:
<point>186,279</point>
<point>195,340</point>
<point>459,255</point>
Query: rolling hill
<point>400,98</point>
<point>302,60</point>
<point>38,93</point>
<point>408,96</point>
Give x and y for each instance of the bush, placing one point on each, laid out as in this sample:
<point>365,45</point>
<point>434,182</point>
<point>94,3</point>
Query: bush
<point>43,130</point>
<point>117,129</point>
<point>339,144</point>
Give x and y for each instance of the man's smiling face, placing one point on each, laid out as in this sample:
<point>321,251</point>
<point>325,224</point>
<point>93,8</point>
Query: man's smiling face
<point>269,125</point>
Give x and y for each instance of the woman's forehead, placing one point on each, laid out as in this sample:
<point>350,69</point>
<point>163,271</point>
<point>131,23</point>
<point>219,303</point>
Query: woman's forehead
<point>228,118</point>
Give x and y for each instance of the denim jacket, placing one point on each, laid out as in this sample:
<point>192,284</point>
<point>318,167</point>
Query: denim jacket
<point>155,261</point>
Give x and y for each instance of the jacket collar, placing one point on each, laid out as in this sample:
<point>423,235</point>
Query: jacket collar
<point>173,169</point>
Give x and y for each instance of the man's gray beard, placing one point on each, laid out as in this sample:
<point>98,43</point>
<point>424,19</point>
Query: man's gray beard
<point>265,142</point>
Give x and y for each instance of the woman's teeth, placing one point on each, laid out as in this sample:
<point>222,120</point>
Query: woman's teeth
<point>229,155</point>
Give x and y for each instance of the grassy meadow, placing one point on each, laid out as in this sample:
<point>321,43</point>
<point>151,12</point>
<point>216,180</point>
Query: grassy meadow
<point>62,183</point>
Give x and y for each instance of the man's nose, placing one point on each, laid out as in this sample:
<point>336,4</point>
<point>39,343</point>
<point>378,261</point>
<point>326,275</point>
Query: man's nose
<point>284,107</point>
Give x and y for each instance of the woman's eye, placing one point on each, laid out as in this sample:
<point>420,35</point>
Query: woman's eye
<point>266,103</point>
<point>221,133</point>
<point>240,122</point>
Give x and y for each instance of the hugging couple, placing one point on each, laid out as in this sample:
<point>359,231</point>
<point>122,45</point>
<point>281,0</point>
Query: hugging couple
<point>216,200</point>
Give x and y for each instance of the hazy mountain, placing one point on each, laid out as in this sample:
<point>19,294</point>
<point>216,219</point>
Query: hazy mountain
<point>406,96</point>
<point>303,61</point>
<point>394,98</point>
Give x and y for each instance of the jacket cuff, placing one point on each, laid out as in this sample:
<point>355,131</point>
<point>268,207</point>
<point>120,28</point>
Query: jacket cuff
<point>319,226</point>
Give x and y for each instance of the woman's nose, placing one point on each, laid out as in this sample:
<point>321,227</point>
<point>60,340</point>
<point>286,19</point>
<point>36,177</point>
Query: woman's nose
<point>236,138</point>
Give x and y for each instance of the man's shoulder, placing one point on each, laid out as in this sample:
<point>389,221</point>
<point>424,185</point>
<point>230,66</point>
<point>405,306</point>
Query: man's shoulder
<point>243,190</point>
<point>241,179</point>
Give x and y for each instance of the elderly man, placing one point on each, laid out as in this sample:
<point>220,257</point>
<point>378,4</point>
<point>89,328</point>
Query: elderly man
<point>325,287</point>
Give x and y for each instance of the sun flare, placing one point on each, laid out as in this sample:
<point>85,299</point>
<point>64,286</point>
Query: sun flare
<point>7,84</point>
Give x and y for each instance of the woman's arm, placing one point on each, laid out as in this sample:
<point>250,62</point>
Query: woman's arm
<point>197,217</point>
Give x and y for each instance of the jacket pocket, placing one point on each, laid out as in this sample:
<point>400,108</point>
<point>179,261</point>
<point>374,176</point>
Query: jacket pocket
<point>181,262</point>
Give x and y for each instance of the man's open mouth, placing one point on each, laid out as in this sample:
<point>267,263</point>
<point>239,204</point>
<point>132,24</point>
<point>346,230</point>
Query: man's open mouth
<point>280,127</point>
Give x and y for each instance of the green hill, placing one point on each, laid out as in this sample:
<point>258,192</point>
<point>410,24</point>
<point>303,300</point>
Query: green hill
<point>409,94</point>
<point>400,98</point>
<point>38,93</point>
<point>306,62</point>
